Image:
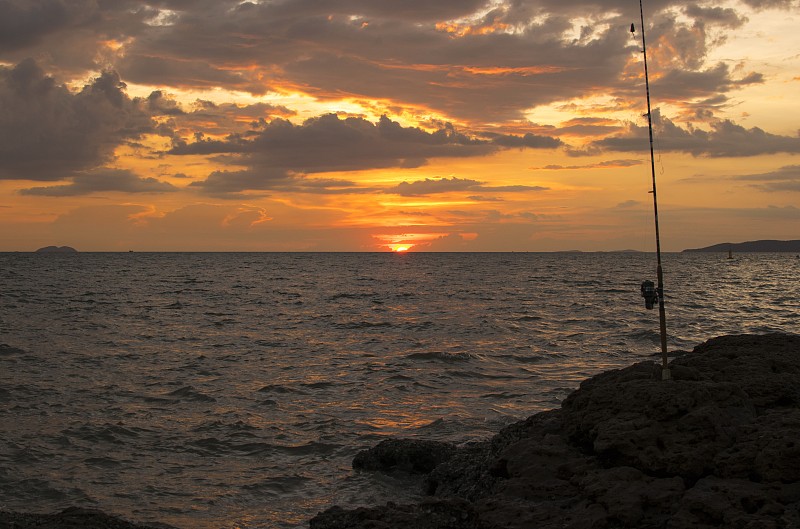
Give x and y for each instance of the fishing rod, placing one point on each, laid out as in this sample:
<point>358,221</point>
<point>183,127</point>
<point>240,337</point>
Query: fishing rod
<point>651,292</point>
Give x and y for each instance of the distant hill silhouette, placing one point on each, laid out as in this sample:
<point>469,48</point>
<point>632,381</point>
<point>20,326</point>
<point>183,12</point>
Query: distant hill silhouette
<point>57,249</point>
<point>751,246</point>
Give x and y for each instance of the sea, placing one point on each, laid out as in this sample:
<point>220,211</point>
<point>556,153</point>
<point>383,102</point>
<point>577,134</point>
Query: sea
<point>232,390</point>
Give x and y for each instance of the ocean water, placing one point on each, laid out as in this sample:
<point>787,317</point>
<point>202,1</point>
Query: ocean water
<point>233,390</point>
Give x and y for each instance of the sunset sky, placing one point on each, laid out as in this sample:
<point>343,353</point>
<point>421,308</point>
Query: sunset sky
<point>376,125</point>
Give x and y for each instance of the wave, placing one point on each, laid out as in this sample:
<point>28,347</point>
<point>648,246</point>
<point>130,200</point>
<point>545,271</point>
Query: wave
<point>479,375</point>
<point>503,395</point>
<point>311,448</point>
<point>439,356</point>
<point>528,318</point>
<point>107,433</point>
<point>362,325</point>
<point>7,350</point>
<point>102,462</point>
<point>238,427</point>
<point>523,359</point>
<point>189,393</point>
<point>324,384</point>
<point>212,446</point>
<point>352,295</point>
<point>278,388</point>
<point>278,485</point>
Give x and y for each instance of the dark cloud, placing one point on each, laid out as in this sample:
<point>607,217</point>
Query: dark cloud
<point>685,85</point>
<point>103,179</point>
<point>160,104</point>
<point>725,138</point>
<point>369,49</point>
<point>480,198</point>
<point>466,59</point>
<point>48,132</point>
<point>188,74</point>
<point>588,127</point>
<point>512,189</point>
<point>628,204</point>
<point>787,178</point>
<point>528,140</point>
<point>431,186</point>
<point>328,143</point>
<point>278,151</point>
<point>607,164</point>
<point>716,15</point>
<point>228,116</point>
<point>25,22</point>
<point>767,4</point>
<point>231,184</point>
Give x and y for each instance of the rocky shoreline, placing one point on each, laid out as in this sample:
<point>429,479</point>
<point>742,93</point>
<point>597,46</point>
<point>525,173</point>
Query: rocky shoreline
<point>716,446</point>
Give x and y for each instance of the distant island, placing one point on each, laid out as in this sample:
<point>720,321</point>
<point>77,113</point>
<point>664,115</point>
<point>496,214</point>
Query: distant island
<point>751,246</point>
<point>57,249</point>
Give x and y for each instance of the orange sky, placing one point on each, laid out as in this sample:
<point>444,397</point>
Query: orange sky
<point>354,125</point>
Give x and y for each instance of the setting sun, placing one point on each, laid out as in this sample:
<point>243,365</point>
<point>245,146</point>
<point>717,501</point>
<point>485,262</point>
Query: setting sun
<point>400,247</point>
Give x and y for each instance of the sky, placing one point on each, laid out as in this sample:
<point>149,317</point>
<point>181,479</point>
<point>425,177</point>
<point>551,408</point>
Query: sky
<point>389,125</point>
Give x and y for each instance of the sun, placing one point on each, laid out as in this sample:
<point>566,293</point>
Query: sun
<point>397,248</point>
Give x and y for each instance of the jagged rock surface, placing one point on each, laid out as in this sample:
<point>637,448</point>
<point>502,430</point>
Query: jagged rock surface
<point>717,446</point>
<point>415,456</point>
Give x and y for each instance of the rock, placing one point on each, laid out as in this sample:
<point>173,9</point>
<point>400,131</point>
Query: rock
<point>407,455</point>
<point>716,446</point>
<point>429,514</point>
<point>715,502</point>
<point>766,450</point>
<point>57,249</point>
<point>671,428</point>
<point>765,367</point>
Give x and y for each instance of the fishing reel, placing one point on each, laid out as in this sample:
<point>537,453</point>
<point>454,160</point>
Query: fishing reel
<point>650,294</point>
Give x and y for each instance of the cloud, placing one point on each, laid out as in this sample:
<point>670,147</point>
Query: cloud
<point>716,15</point>
<point>587,126</point>
<point>48,132</point>
<point>467,60</point>
<point>405,53</point>
<point>628,204</point>
<point>222,118</point>
<point>480,198</point>
<point>27,22</point>
<point>725,138</point>
<point>431,186</point>
<point>102,179</point>
<point>786,178</point>
<point>231,184</point>
<point>186,74</point>
<point>685,85</point>
<point>329,143</point>
<point>607,164</point>
<point>766,4</point>
<point>528,140</point>
<point>279,153</point>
